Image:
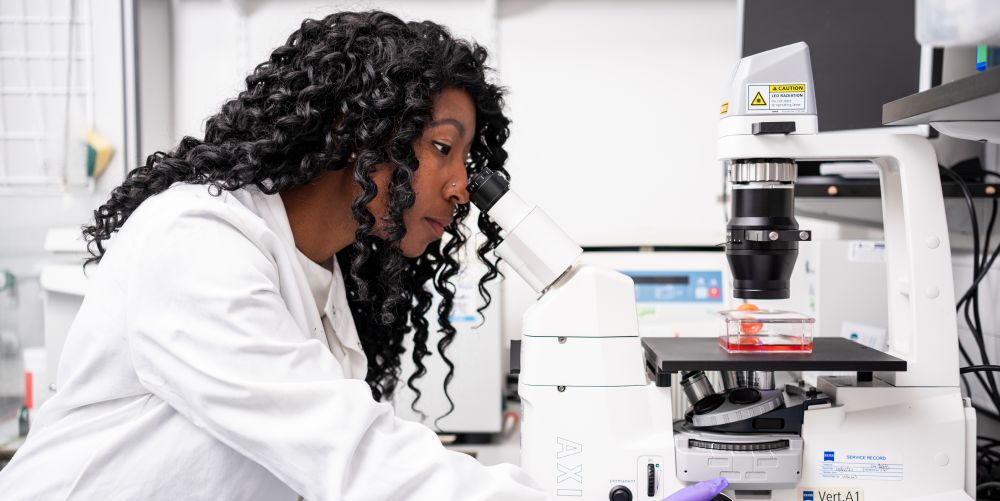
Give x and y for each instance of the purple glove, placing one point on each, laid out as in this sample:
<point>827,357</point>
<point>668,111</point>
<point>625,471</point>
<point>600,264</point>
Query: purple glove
<point>702,491</point>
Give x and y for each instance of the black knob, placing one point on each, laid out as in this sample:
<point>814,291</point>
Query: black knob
<point>620,493</point>
<point>650,480</point>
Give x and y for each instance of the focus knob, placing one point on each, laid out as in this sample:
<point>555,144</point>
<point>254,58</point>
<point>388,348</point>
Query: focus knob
<point>620,493</point>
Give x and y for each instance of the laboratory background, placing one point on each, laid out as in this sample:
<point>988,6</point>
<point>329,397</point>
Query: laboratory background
<point>624,115</point>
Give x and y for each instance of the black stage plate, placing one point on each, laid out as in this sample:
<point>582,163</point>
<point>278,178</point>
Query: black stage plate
<point>829,354</point>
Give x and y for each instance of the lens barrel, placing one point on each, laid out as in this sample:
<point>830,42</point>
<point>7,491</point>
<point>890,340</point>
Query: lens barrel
<point>763,213</point>
<point>486,187</point>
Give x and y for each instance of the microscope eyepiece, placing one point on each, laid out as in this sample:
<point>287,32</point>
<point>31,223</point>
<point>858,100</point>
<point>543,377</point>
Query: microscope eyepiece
<point>486,187</point>
<point>533,245</point>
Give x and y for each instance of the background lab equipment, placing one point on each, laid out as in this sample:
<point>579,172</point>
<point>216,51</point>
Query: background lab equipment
<point>598,426</point>
<point>678,293</point>
<point>476,390</point>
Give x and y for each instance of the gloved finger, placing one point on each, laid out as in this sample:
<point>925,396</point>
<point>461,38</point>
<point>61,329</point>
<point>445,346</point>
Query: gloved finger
<point>702,491</point>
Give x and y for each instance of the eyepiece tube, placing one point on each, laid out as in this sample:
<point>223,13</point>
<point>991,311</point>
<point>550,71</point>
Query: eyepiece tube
<point>491,194</point>
<point>485,188</point>
<point>532,243</point>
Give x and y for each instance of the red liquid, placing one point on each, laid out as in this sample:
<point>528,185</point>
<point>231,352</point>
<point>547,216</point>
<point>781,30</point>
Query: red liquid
<point>756,344</point>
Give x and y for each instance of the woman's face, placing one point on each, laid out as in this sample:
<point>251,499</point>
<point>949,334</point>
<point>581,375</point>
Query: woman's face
<point>440,181</point>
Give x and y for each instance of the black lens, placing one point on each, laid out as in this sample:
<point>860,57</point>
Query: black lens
<point>761,267</point>
<point>744,396</point>
<point>486,187</point>
<point>709,403</point>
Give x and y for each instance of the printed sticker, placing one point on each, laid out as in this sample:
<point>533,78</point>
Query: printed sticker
<point>776,97</point>
<point>831,494</point>
<point>861,465</point>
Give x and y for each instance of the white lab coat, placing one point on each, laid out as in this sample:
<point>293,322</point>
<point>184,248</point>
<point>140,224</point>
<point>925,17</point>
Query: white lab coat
<point>199,368</point>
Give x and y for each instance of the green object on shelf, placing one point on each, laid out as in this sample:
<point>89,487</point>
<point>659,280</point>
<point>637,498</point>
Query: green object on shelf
<point>6,280</point>
<point>23,422</point>
<point>99,153</point>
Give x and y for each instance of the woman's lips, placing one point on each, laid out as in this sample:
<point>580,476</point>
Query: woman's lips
<point>437,225</point>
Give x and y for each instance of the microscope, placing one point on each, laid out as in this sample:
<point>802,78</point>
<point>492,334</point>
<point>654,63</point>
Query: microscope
<point>597,402</point>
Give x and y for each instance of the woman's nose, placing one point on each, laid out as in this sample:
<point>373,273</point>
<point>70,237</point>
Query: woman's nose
<point>457,191</point>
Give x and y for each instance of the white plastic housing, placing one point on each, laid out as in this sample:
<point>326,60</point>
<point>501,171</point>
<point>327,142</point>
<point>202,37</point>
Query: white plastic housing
<point>788,65</point>
<point>922,326</point>
<point>588,302</point>
<point>581,442</point>
<point>535,246</point>
<point>582,361</point>
<point>784,65</point>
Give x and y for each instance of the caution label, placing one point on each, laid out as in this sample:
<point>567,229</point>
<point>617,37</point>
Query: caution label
<point>776,97</point>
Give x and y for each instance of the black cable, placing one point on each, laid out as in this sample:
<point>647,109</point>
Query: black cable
<point>988,460</point>
<point>980,368</point>
<point>974,322</point>
<point>967,195</point>
<point>986,412</point>
<point>975,284</point>
<point>989,227</point>
<point>965,382</point>
<point>983,270</point>
<point>979,377</point>
<point>989,233</point>
<point>973,290</point>
<point>977,335</point>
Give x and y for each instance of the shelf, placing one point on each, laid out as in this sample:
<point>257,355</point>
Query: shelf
<point>833,187</point>
<point>968,108</point>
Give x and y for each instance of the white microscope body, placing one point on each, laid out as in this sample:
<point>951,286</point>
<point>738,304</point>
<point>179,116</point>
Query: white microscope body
<point>597,425</point>
<point>594,427</point>
<point>916,420</point>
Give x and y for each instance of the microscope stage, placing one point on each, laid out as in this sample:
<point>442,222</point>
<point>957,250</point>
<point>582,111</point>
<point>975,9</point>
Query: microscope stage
<point>670,355</point>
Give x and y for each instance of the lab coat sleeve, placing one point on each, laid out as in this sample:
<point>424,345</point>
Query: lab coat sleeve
<point>210,335</point>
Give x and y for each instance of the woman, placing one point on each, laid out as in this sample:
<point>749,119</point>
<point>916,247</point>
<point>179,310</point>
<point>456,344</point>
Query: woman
<point>248,317</point>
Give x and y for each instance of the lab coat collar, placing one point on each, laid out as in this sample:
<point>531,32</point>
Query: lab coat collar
<point>337,310</point>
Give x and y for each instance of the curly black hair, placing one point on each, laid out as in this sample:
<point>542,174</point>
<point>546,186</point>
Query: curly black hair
<point>354,89</point>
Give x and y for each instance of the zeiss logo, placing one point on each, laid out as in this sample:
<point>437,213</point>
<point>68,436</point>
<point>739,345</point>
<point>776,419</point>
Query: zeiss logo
<point>807,495</point>
<point>827,455</point>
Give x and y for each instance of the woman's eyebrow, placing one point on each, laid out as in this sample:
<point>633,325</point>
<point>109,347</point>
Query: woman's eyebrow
<point>450,121</point>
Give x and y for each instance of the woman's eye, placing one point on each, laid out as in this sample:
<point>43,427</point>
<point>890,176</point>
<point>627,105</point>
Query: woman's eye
<point>444,149</point>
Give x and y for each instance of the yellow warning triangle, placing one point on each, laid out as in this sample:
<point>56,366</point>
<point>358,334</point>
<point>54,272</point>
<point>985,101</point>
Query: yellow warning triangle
<point>758,100</point>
